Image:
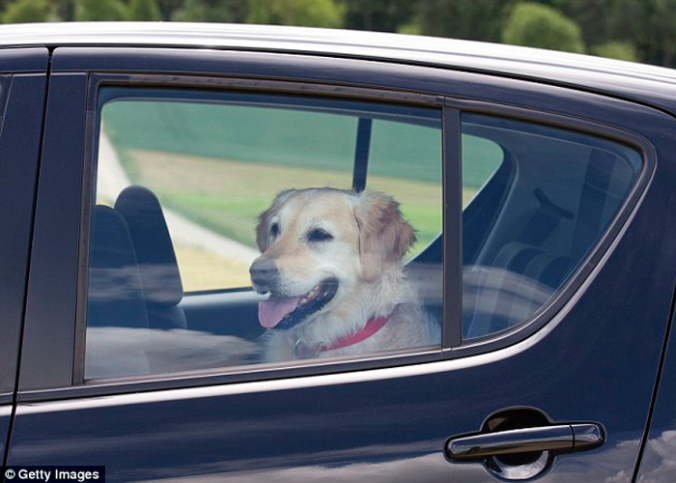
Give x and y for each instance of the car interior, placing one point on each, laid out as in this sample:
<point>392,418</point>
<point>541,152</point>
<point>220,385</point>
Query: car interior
<point>524,234</point>
<point>536,219</point>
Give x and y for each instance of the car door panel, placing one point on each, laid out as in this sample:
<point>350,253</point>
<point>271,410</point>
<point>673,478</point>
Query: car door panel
<point>656,462</point>
<point>22,99</point>
<point>385,425</point>
<point>354,423</point>
<point>356,426</point>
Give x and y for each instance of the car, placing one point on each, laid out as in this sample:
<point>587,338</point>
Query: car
<point>136,158</point>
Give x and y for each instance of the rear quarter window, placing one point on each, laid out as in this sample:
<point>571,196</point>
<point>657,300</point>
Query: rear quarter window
<point>554,195</point>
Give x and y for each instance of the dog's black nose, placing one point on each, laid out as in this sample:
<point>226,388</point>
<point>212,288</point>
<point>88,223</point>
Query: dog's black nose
<point>264,274</point>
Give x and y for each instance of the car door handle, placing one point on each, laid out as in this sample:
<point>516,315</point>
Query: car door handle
<point>561,438</point>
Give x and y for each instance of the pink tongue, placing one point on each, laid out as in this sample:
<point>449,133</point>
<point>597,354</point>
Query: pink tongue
<point>273,310</point>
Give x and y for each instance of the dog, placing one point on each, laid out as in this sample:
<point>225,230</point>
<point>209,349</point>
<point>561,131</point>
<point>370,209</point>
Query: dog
<point>331,262</point>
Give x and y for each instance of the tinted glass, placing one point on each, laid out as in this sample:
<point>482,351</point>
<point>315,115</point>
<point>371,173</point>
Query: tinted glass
<point>545,207</point>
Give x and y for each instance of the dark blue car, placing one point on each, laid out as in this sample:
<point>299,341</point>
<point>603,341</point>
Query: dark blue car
<point>135,161</point>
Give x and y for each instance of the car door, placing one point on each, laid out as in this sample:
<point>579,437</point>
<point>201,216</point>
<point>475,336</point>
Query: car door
<point>22,93</point>
<point>656,459</point>
<point>554,307</point>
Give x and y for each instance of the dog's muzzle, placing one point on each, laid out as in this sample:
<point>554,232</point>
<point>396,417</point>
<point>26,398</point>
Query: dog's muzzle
<point>264,275</point>
<point>285,310</point>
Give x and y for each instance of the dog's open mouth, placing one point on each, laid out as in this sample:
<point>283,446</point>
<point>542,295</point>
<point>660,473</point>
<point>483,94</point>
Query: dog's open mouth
<point>285,312</point>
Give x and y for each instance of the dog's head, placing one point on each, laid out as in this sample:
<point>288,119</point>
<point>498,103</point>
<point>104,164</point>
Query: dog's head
<point>319,244</point>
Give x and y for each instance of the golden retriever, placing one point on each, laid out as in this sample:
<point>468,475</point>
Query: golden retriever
<point>331,263</point>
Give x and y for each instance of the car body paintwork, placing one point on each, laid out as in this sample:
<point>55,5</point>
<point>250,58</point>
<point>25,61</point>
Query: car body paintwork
<point>597,357</point>
<point>23,89</point>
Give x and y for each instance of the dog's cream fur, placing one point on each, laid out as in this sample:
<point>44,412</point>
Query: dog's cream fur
<point>368,239</point>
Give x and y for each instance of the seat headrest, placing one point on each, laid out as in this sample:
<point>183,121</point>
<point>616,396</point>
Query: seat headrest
<point>115,296</point>
<point>154,250</point>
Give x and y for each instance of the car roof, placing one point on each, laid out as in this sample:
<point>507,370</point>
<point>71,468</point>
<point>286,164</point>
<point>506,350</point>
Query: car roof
<point>649,84</point>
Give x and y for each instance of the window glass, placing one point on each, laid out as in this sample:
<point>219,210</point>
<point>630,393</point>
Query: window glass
<point>481,158</point>
<point>404,162</point>
<point>191,186</point>
<point>553,195</point>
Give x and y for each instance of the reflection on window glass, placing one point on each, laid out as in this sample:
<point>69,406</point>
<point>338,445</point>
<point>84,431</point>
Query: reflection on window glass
<point>217,166</point>
<point>404,162</point>
<point>481,158</point>
<point>198,192</point>
<point>546,205</point>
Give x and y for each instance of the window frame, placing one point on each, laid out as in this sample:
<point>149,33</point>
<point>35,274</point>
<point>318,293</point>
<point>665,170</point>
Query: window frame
<point>272,87</point>
<point>48,367</point>
<point>453,345</point>
<point>562,302</point>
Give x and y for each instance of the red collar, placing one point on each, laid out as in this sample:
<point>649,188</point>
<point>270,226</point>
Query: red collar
<point>371,327</point>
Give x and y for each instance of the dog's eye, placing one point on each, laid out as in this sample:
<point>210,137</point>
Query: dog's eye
<point>274,230</point>
<point>319,235</point>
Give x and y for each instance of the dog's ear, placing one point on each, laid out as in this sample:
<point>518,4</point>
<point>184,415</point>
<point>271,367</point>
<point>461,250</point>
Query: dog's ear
<point>384,235</point>
<point>263,228</point>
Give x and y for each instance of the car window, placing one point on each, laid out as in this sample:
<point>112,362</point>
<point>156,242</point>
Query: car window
<point>548,203</point>
<point>193,186</point>
<point>481,158</point>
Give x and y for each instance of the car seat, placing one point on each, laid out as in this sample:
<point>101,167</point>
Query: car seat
<point>160,276</point>
<point>116,311</point>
